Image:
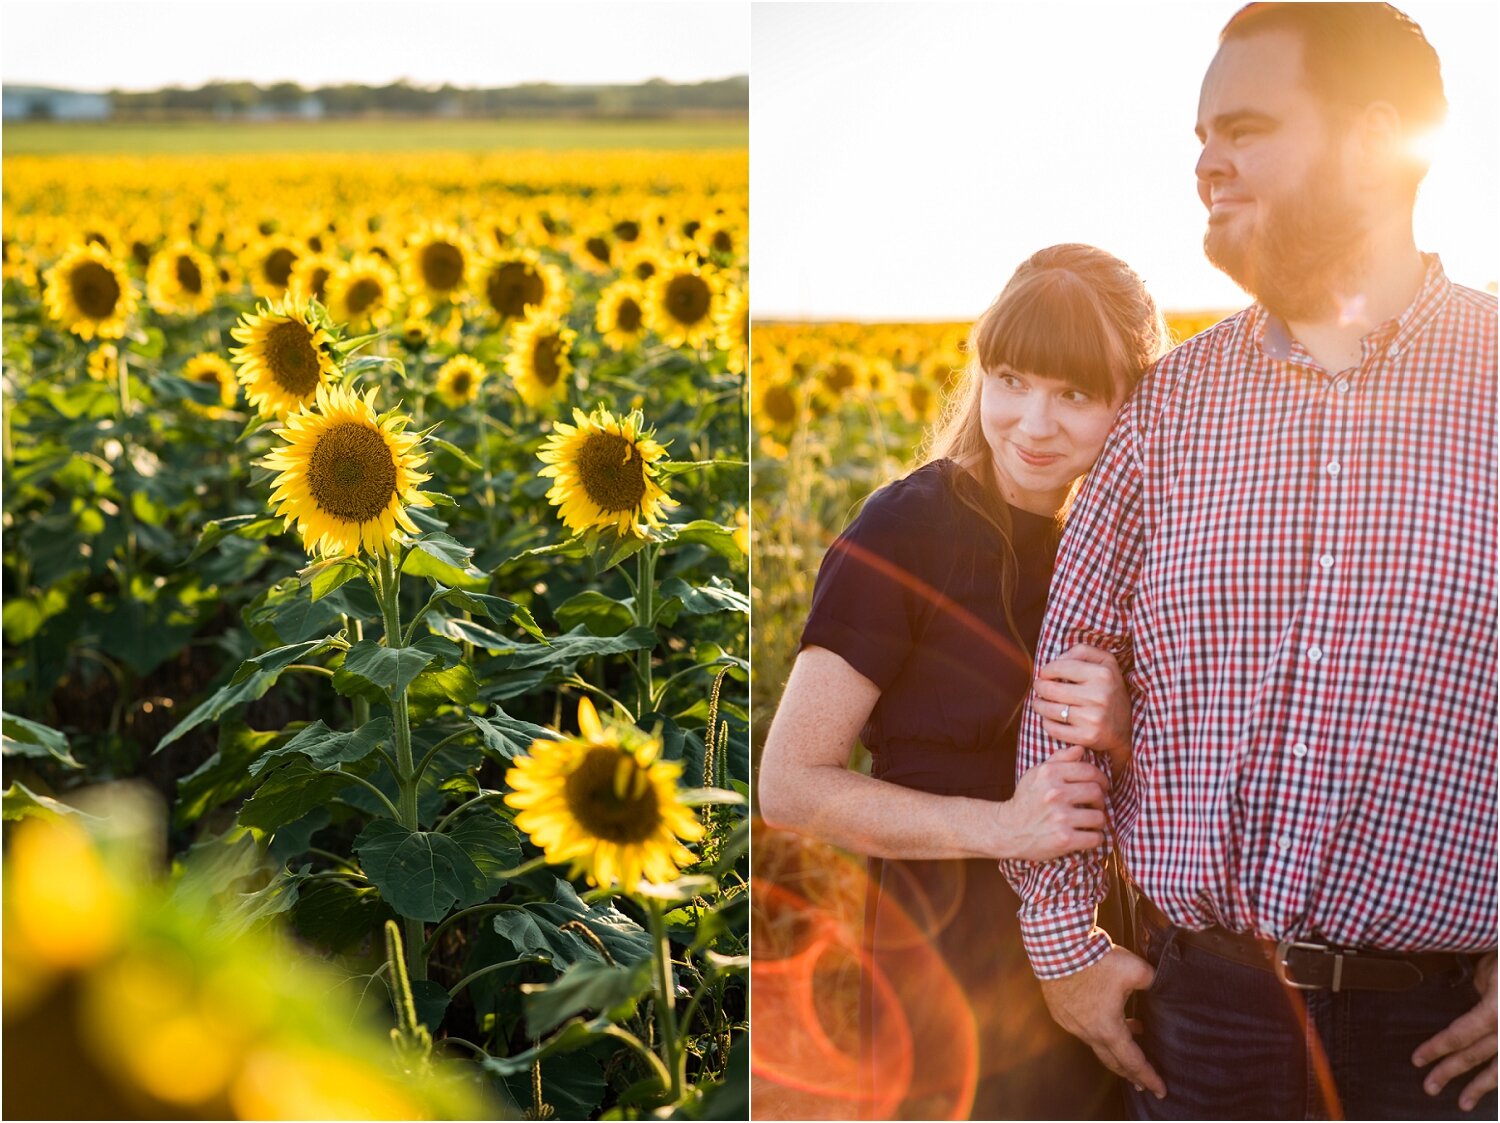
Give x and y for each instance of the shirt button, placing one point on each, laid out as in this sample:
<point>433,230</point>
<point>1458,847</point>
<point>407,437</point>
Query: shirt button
<point>1334,467</point>
<point>1299,749</point>
<point>1342,386</point>
<point>1326,561</point>
<point>1284,842</point>
<point>1315,653</point>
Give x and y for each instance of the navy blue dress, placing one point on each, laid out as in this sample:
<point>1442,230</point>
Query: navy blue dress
<point>910,596</point>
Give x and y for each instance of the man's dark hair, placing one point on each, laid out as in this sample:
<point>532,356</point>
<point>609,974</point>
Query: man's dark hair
<point>1356,54</point>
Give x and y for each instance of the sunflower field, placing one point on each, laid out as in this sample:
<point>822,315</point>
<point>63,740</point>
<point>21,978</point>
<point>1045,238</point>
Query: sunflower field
<point>376,635</point>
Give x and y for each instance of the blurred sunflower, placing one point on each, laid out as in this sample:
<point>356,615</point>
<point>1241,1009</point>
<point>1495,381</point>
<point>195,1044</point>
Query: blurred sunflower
<point>777,403</point>
<point>519,284</point>
<point>346,475</point>
<point>181,281</point>
<point>269,262</point>
<point>89,293</point>
<point>603,473</point>
<point>682,300</point>
<point>594,250</point>
<point>643,264</point>
<point>605,802</point>
<point>458,380</point>
<point>362,292</point>
<point>310,275</point>
<point>436,260</point>
<point>414,331</point>
<point>211,368</point>
<point>104,363</point>
<point>733,321</point>
<point>285,358</point>
<point>540,359</point>
<point>620,315</point>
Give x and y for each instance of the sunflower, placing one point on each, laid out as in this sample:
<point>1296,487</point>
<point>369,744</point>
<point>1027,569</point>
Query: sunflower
<point>346,475</point>
<point>595,251</point>
<point>181,281</point>
<point>682,299</point>
<point>310,275</point>
<point>620,315</point>
<point>436,260</point>
<point>733,321</point>
<point>603,473</point>
<point>605,802</point>
<point>540,359</point>
<point>89,293</point>
<point>285,358</point>
<point>269,263</point>
<point>458,380</point>
<point>361,293</point>
<point>210,368</point>
<point>104,363</point>
<point>520,284</point>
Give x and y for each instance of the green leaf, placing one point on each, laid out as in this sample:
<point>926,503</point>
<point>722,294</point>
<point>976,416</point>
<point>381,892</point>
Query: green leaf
<point>497,609</point>
<point>717,596</point>
<point>326,747</point>
<point>573,1036</point>
<point>286,613</point>
<point>245,526</point>
<point>699,797</point>
<point>20,802</point>
<point>420,874</point>
<point>718,538</point>
<point>223,776</point>
<point>433,689</point>
<point>431,1000</point>
<point>491,842</point>
<point>325,577</point>
<point>602,615</point>
<point>289,793</point>
<point>670,468</point>
<point>507,736</point>
<point>20,737</point>
<point>572,1083</point>
<point>568,649</point>
<point>536,929</point>
<point>612,990</point>
<point>442,558</point>
<point>253,678</point>
<point>336,914</point>
<point>392,668</point>
<point>452,449</point>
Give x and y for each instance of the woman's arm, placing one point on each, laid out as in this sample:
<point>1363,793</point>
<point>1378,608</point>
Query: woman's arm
<point>805,785</point>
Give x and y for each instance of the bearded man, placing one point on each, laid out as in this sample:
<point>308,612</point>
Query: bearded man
<point>1289,545</point>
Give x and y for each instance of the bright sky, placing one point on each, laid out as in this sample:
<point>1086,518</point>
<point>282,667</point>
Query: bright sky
<point>906,157</point>
<point>145,44</point>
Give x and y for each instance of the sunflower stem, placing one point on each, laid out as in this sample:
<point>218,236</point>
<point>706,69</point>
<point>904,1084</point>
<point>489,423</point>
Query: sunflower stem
<point>645,611</point>
<point>361,705</point>
<point>666,1007</point>
<point>388,593</point>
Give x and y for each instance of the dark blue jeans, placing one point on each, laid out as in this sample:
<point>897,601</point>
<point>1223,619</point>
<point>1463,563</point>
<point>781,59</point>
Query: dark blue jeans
<point>1231,1042</point>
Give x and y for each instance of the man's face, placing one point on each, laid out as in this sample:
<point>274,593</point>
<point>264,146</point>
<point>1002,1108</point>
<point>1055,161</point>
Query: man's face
<point>1283,221</point>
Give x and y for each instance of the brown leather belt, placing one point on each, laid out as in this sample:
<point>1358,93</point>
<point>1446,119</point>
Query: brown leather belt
<point>1305,965</point>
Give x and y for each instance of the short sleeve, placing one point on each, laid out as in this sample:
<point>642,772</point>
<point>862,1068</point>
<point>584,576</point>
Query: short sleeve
<point>874,586</point>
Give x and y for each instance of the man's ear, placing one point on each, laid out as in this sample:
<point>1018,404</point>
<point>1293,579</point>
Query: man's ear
<point>1381,152</point>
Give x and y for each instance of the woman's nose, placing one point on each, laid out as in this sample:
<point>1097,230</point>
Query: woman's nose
<point>1037,417</point>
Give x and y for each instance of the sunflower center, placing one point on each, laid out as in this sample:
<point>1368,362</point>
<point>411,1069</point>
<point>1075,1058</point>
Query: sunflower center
<point>96,290</point>
<point>840,377</point>
<point>627,231</point>
<point>644,270</point>
<point>688,297</point>
<point>779,405</point>
<point>462,381</point>
<point>628,315</point>
<point>442,266</point>
<point>512,286</point>
<point>544,360</point>
<point>351,473</point>
<point>278,266</point>
<point>362,293</point>
<point>292,358</point>
<point>598,249</point>
<point>722,242</point>
<point>188,275</point>
<point>621,812</point>
<point>319,281</point>
<point>612,472</point>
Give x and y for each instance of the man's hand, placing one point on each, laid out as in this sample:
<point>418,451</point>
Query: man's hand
<point>1468,1041</point>
<point>1091,1006</point>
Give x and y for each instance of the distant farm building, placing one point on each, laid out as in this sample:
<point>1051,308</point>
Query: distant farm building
<point>42,103</point>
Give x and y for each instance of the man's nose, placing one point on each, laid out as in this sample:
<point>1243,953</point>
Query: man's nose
<point>1212,166</point>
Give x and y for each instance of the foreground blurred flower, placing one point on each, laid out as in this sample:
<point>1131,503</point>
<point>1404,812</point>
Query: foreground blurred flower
<point>346,475</point>
<point>458,380</point>
<point>604,801</point>
<point>540,359</point>
<point>89,293</point>
<point>285,359</point>
<point>604,474</point>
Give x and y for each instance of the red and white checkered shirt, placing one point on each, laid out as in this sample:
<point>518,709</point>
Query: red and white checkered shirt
<point>1296,569</point>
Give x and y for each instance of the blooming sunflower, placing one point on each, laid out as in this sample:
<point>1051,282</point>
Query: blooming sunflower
<point>104,363</point>
<point>181,281</point>
<point>520,283</point>
<point>540,359</point>
<point>603,473</point>
<point>309,278</point>
<point>361,293</point>
<point>269,263</point>
<point>346,475</point>
<point>458,380</point>
<point>620,315</point>
<point>285,358</point>
<point>89,293</point>
<point>436,260</point>
<point>210,368</point>
<point>682,299</point>
<point>605,802</point>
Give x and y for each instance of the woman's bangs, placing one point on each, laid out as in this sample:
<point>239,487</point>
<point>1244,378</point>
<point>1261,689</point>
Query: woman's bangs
<point>1050,326</point>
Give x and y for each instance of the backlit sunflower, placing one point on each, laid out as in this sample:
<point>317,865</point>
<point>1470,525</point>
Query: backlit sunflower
<point>682,299</point>
<point>540,360</point>
<point>285,358</point>
<point>733,323</point>
<point>620,315</point>
<point>436,261</point>
<point>605,802</point>
<point>89,293</point>
<point>181,280</point>
<point>210,368</point>
<point>269,262</point>
<point>603,473</point>
<point>519,283</point>
<point>362,292</point>
<point>346,475</point>
<point>458,380</point>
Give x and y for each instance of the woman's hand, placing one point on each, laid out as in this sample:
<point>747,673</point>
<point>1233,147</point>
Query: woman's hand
<point>1058,808</point>
<point>1081,699</point>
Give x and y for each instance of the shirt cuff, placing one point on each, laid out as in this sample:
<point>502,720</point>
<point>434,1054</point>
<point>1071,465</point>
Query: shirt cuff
<point>1063,942</point>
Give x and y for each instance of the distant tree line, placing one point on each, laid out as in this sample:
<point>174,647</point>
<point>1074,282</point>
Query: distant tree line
<point>656,98</point>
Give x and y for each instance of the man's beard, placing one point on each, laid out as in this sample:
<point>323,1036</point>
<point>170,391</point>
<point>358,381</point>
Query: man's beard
<point>1301,258</point>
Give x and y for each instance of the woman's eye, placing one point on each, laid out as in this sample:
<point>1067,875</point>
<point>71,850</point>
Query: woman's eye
<point>1011,382</point>
<point>1077,397</point>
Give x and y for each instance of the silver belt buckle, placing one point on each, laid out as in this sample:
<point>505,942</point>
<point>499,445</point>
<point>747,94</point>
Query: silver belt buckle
<point>1279,965</point>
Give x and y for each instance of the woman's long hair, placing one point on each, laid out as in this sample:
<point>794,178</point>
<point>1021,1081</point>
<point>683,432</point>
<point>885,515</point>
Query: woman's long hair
<point>1070,312</point>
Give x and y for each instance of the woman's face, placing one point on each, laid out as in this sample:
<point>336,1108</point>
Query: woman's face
<point>1043,435</point>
